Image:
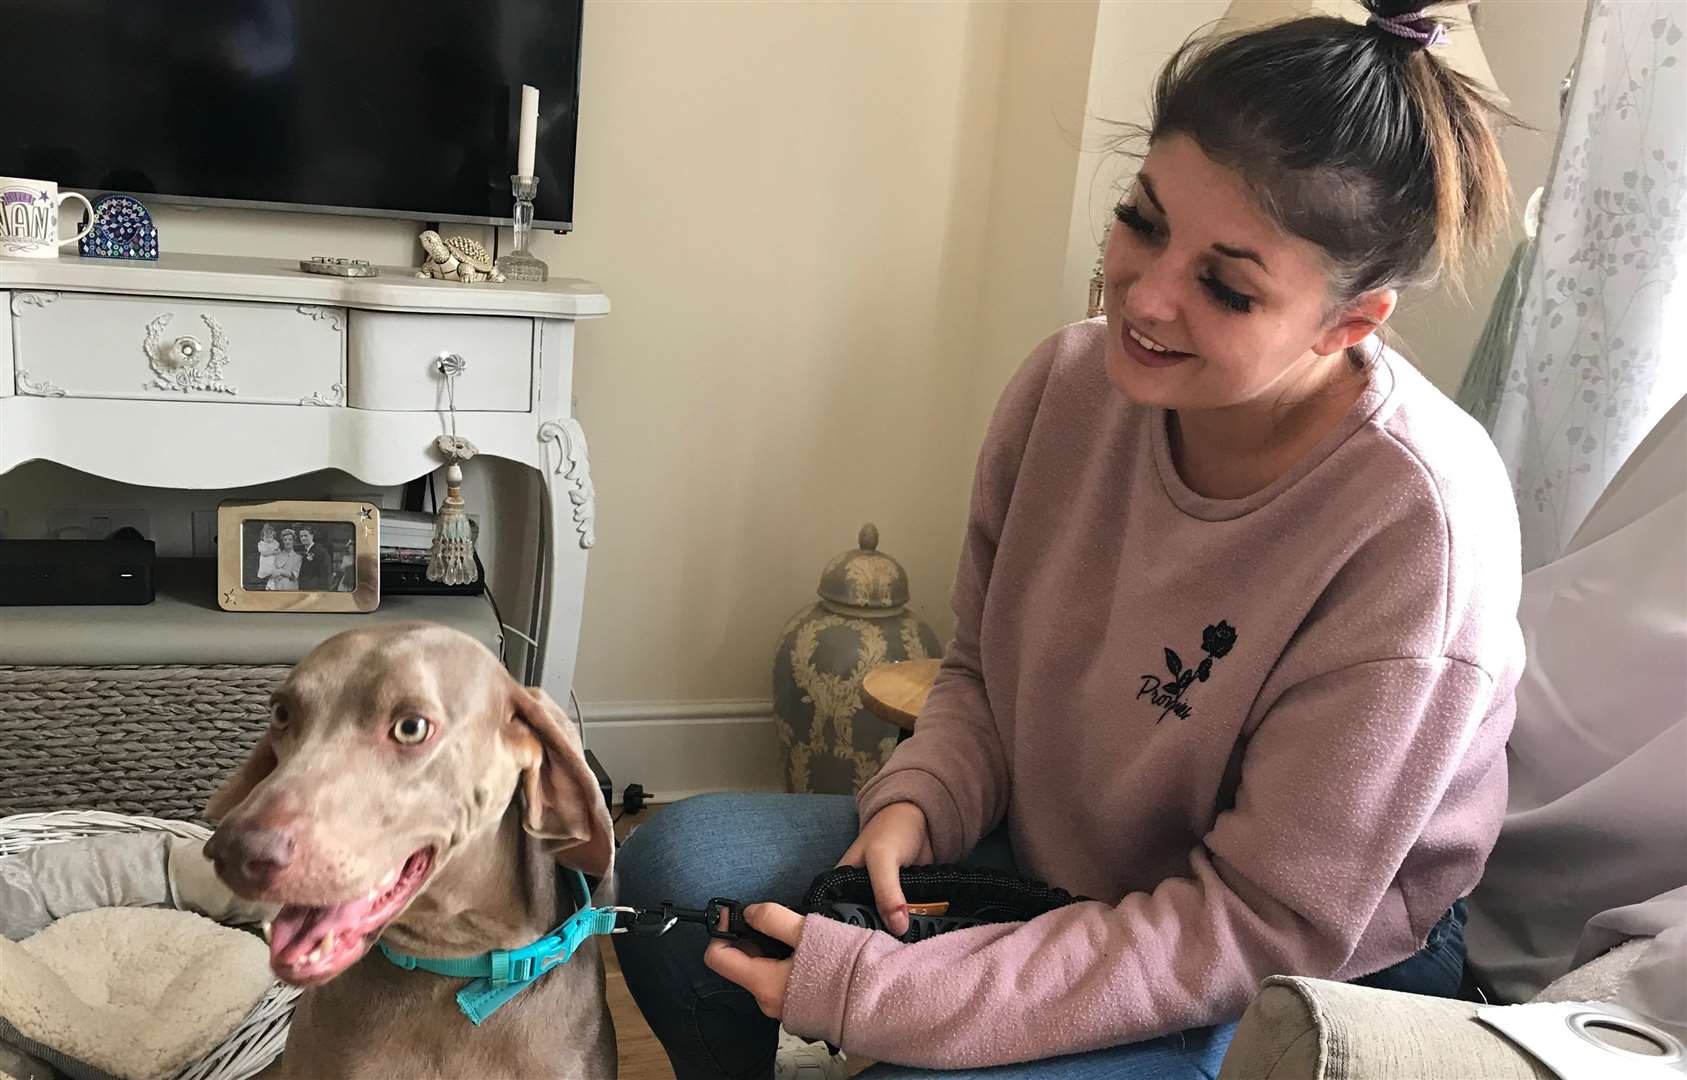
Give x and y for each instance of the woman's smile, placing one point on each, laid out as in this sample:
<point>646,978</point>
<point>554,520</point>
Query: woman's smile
<point>1147,351</point>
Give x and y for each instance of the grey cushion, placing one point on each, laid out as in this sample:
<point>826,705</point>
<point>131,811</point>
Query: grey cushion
<point>1312,1029</point>
<point>124,869</point>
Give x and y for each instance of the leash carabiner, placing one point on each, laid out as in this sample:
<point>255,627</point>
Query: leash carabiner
<point>722,918</point>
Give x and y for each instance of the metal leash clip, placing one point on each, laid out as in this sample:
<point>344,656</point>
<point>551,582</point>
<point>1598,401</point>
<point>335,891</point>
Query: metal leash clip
<point>721,918</point>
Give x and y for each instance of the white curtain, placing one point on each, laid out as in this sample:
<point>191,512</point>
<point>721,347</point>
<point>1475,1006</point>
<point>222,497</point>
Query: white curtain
<point>1591,851</point>
<point>1599,353</point>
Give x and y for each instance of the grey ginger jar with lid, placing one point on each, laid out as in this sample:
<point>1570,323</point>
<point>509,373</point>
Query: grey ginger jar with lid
<point>828,741</point>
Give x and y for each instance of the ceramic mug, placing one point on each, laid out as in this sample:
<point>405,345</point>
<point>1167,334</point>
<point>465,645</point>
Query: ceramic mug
<point>29,218</point>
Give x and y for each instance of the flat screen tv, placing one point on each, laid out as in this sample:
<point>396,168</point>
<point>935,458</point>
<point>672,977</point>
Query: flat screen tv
<point>387,108</point>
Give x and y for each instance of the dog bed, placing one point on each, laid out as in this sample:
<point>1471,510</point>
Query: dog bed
<point>118,936</point>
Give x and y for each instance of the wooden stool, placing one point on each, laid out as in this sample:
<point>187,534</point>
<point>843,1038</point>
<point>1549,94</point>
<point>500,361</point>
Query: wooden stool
<point>895,693</point>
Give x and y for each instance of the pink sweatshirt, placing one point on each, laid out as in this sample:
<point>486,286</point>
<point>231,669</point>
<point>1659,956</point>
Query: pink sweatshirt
<point>1268,734</point>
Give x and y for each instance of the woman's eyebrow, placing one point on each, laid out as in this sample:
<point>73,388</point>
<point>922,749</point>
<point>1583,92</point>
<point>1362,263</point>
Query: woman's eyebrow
<point>1227,250</point>
<point>1148,190</point>
<point>1241,253</point>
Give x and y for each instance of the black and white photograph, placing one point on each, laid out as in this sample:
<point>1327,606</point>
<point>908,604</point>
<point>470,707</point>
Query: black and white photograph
<point>298,556</point>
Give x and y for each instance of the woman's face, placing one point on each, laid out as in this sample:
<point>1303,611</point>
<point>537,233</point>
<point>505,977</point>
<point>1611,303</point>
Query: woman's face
<point>287,541</point>
<point>1209,304</point>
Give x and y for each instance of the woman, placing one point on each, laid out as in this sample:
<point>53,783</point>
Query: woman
<point>1235,641</point>
<point>284,566</point>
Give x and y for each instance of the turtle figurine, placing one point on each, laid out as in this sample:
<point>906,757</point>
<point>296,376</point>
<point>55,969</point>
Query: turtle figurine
<point>455,258</point>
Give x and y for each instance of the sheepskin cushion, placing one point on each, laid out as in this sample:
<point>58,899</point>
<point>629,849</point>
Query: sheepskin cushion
<point>135,993</point>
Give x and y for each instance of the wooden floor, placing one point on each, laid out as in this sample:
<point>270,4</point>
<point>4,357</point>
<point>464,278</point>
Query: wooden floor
<point>641,1056</point>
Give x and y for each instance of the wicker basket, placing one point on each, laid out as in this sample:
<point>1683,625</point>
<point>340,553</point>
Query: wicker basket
<point>150,740</point>
<point>260,1037</point>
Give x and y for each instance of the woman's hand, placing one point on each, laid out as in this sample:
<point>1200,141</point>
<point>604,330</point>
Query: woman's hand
<point>893,838</point>
<point>743,963</point>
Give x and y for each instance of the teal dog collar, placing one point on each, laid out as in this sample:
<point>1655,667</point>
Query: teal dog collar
<point>501,974</point>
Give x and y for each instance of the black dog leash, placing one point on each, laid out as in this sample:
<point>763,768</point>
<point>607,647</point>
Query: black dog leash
<point>940,899</point>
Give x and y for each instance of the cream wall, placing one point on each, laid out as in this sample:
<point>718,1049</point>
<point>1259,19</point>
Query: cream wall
<point>1034,169</point>
<point>787,205</point>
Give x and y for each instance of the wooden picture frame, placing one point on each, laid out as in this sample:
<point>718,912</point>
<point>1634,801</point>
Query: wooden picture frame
<point>293,555</point>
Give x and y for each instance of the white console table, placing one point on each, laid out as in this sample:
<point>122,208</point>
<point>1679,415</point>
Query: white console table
<point>166,374</point>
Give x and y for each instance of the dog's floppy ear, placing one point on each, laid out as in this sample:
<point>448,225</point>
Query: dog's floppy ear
<point>564,804</point>
<point>259,764</point>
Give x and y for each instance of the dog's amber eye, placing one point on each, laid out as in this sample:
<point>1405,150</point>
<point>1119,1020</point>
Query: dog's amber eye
<point>278,715</point>
<point>410,731</point>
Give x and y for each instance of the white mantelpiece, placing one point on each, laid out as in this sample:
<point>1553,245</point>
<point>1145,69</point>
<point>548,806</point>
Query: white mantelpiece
<point>165,374</point>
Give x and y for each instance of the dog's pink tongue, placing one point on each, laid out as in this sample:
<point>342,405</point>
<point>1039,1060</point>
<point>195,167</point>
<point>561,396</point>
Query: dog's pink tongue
<point>298,929</point>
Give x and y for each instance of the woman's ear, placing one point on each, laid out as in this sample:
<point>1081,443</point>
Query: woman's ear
<point>1356,321</point>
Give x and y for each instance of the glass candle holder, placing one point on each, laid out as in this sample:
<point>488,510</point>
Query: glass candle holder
<point>519,264</point>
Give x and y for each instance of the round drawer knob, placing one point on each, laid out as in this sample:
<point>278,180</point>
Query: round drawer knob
<point>183,351</point>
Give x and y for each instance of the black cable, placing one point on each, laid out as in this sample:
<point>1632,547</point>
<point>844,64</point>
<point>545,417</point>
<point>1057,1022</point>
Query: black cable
<point>537,599</point>
<point>486,588</point>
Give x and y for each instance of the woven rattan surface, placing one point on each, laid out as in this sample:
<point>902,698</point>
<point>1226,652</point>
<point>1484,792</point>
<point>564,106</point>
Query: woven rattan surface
<point>151,740</point>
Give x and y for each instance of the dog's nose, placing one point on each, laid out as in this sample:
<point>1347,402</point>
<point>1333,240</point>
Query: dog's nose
<point>252,858</point>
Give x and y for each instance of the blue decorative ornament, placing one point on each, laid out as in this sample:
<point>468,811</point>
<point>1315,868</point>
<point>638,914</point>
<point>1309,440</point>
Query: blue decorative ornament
<point>122,230</point>
<point>829,741</point>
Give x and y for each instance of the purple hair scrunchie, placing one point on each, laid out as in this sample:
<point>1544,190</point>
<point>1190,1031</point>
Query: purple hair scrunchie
<point>1413,26</point>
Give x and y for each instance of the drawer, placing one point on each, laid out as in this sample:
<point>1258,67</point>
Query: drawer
<point>392,358</point>
<point>99,345</point>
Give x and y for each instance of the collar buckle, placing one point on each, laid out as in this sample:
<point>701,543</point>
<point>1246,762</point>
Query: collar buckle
<point>518,966</point>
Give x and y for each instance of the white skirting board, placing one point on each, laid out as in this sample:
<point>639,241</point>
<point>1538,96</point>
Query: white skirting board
<point>679,748</point>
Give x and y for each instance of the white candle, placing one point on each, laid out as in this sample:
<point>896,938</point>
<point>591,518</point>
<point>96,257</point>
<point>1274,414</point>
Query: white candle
<point>529,131</point>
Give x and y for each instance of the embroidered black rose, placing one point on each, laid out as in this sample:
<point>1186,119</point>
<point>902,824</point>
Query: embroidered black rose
<point>1217,640</point>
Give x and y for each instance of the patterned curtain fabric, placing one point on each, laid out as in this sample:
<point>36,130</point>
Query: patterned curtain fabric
<point>1484,379</point>
<point>1597,354</point>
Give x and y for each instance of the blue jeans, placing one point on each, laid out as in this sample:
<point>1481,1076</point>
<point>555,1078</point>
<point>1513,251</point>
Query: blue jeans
<point>769,847</point>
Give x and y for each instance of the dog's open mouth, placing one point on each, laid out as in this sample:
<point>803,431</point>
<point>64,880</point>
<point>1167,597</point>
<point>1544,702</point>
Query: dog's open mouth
<point>310,945</point>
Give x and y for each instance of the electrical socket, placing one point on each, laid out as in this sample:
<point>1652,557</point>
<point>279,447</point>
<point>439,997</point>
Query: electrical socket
<point>76,523</point>
<point>204,534</point>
